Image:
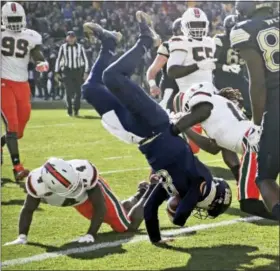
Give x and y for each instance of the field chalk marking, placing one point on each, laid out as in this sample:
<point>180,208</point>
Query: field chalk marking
<point>136,239</point>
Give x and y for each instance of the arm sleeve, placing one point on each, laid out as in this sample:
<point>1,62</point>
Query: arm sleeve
<point>157,197</point>
<point>199,97</point>
<point>176,58</point>
<point>84,56</point>
<point>59,58</point>
<point>187,205</point>
<point>163,49</point>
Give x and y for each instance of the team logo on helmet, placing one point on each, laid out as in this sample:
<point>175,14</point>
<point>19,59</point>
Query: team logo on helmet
<point>14,7</point>
<point>196,13</point>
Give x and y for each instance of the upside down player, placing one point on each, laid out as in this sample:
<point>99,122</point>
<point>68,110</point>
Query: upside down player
<point>228,129</point>
<point>256,37</point>
<point>77,183</point>
<point>18,44</point>
<point>129,107</point>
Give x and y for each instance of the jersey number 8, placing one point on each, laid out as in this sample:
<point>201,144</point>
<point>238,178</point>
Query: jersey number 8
<point>166,182</point>
<point>18,48</point>
<point>268,40</point>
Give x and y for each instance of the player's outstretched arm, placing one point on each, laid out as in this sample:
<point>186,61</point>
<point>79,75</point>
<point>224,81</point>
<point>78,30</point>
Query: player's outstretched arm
<point>199,113</point>
<point>152,72</point>
<point>205,143</point>
<point>97,200</point>
<point>258,85</point>
<point>25,219</point>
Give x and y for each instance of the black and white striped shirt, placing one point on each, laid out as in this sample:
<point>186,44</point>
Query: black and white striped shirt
<point>72,57</point>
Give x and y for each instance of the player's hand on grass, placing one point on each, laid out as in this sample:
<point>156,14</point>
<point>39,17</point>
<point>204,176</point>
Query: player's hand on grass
<point>207,64</point>
<point>88,238</point>
<point>21,240</point>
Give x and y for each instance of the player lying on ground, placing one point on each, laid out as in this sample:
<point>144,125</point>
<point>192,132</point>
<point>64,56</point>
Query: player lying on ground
<point>77,183</point>
<point>19,44</point>
<point>256,37</point>
<point>130,113</point>
<point>228,130</point>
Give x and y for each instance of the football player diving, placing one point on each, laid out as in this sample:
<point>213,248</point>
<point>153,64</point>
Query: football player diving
<point>228,131</point>
<point>77,183</point>
<point>256,37</point>
<point>130,114</point>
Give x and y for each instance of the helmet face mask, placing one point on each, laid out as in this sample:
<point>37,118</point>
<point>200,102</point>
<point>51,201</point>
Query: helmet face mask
<point>194,23</point>
<point>13,16</point>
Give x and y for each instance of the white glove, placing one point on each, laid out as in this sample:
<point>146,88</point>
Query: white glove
<point>253,137</point>
<point>21,240</point>
<point>88,238</point>
<point>42,66</point>
<point>174,117</point>
<point>234,68</point>
<point>207,64</point>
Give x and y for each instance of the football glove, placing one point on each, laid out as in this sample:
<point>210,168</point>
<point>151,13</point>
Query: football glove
<point>234,68</point>
<point>88,238</point>
<point>174,117</point>
<point>207,64</point>
<point>253,138</point>
<point>42,66</point>
<point>21,240</point>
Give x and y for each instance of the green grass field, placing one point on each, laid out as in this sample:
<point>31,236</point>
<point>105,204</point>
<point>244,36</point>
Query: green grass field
<point>228,246</point>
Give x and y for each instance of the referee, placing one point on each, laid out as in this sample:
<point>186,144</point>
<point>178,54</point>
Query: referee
<point>73,63</point>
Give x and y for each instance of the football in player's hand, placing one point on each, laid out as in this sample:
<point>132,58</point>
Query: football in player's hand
<point>172,205</point>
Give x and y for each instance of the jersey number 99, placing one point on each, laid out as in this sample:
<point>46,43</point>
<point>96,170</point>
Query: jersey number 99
<point>268,40</point>
<point>18,48</point>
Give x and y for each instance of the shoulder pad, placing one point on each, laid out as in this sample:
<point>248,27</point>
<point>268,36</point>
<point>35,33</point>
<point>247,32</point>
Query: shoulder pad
<point>179,43</point>
<point>163,49</point>
<point>218,40</point>
<point>87,171</point>
<point>33,36</point>
<point>239,35</point>
<point>34,184</point>
<point>196,95</point>
<point>3,28</point>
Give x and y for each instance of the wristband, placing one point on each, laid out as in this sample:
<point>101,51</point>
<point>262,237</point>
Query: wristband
<point>152,83</point>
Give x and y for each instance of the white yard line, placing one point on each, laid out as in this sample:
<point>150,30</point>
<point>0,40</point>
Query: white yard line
<point>145,168</point>
<point>136,239</point>
<point>49,125</point>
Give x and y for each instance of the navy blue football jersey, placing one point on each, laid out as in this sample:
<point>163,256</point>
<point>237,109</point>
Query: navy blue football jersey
<point>261,34</point>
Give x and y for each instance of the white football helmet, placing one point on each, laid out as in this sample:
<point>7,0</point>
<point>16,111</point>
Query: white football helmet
<point>205,87</point>
<point>195,23</point>
<point>13,16</point>
<point>61,178</point>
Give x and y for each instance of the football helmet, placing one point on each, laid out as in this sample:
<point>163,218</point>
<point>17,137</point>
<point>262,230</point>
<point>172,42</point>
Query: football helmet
<point>13,16</point>
<point>194,23</point>
<point>217,201</point>
<point>229,23</point>
<point>246,9</point>
<point>176,27</point>
<point>61,178</point>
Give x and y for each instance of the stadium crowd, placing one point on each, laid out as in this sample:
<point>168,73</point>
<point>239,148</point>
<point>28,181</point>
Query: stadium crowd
<point>54,19</point>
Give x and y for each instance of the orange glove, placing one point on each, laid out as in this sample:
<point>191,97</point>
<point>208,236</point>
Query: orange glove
<point>42,66</point>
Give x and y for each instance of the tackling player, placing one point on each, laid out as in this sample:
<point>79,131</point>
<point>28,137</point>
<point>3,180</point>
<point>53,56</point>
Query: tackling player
<point>77,183</point>
<point>256,37</point>
<point>18,44</point>
<point>168,87</point>
<point>228,130</point>
<point>129,112</point>
<point>230,69</point>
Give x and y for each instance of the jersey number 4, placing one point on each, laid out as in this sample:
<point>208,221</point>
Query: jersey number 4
<point>200,53</point>
<point>18,48</point>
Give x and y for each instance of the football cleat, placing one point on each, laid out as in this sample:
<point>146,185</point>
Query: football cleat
<point>147,28</point>
<point>98,31</point>
<point>20,172</point>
